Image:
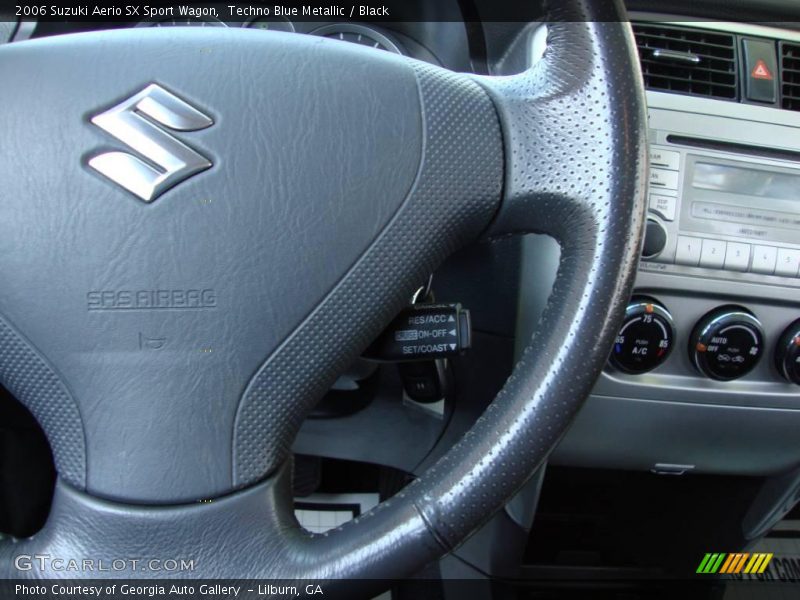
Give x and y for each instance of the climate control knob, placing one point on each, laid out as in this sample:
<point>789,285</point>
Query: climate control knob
<point>787,353</point>
<point>726,343</point>
<point>645,338</point>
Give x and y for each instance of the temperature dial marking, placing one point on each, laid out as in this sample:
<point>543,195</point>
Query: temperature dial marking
<point>645,338</point>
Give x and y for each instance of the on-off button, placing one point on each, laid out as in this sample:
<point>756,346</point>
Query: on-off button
<point>655,239</point>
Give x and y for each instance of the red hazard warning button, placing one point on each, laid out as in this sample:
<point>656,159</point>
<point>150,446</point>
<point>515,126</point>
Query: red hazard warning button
<point>761,71</point>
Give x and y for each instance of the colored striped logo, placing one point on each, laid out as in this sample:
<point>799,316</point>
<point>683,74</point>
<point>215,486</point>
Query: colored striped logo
<point>735,563</point>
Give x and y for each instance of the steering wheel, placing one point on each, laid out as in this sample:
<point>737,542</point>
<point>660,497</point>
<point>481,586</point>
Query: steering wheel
<point>201,228</point>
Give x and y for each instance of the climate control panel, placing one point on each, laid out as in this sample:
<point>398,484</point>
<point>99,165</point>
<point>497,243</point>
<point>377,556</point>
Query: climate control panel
<point>722,343</point>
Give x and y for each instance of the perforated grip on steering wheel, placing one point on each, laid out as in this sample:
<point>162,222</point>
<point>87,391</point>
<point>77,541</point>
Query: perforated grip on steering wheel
<point>574,129</point>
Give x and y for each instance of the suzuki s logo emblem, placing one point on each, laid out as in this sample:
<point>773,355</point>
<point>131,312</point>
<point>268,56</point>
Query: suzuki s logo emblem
<point>141,123</point>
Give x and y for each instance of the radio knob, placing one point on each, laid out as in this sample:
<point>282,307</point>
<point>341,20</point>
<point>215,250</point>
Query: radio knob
<point>645,338</point>
<point>655,239</point>
<point>726,343</point>
<point>787,353</point>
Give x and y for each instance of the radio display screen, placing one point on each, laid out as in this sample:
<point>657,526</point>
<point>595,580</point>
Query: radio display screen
<point>750,182</point>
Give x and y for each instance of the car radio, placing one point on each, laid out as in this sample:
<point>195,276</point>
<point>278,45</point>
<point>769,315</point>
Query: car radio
<point>728,207</point>
<point>716,295</point>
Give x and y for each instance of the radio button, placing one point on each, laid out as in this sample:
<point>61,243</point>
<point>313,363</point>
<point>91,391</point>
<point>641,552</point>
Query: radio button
<point>713,254</point>
<point>737,258</point>
<point>665,158</point>
<point>668,180</point>
<point>688,252</point>
<point>664,206</point>
<point>764,258</point>
<point>788,262</point>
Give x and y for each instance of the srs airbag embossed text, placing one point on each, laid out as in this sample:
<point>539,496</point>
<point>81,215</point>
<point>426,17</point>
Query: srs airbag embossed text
<point>192,299</point>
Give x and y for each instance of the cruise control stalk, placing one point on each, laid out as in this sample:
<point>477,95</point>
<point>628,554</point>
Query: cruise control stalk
<point>424,332</point>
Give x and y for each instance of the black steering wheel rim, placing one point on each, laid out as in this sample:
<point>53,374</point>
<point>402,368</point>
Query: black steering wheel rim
<point>558,149</point>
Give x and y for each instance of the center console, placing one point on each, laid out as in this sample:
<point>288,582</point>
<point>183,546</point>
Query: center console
<point>705,371</point>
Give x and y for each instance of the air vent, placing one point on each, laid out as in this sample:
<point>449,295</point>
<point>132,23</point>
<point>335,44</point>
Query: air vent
<point>687,61</point>
<point>790,76</point>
